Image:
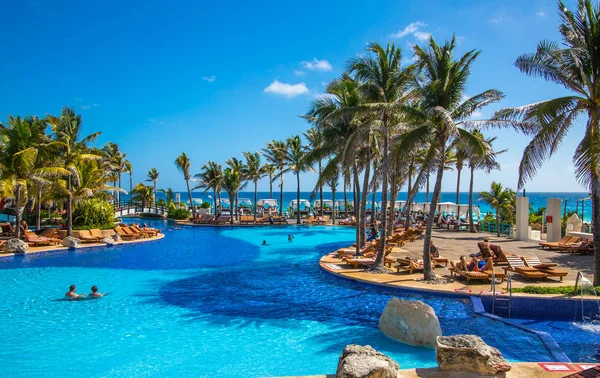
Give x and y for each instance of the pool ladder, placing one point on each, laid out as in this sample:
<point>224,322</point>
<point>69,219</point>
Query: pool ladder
<point>502,302</point>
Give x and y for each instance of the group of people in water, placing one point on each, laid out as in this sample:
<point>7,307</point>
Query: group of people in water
<point>71,294</point>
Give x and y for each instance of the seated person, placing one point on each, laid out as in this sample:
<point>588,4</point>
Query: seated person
<point>71,294</point>
<point>433,250</point>
<point>94,293</point>
<point>479,265</point>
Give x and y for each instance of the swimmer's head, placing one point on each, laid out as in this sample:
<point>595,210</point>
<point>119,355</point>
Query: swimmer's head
<point>94,289</point>
<point>72,288</point>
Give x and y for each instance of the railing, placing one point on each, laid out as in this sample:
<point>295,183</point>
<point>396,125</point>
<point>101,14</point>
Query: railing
<point>491,227</point>
<point>504,303</point>
<point>134,208</point>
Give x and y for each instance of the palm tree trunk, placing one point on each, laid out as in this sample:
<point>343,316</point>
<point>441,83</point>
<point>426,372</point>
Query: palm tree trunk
<point>237,206</point>
<point>255,198</point>
<point>321,189</point>
<point>345,197</point>
<point>363,204</point>
<point>596,224</point>
<point>154,191</point>
<point>378,266</point>
<point>281,191</point>
<point>38,211</point>
<point>333,199</point>
<point>231,205</point>
<point>214,201</point>
<point>119,188</point>
<point>356,201</point>
<point>270,185</point>
<point>497,221</point>
<point>471,223</point>
<point>130,184</point>
<point>298,198</point>
<point>373,218</point>
<point>458,185</point>
<point>69,208</point>
<point>393,195</point>
<point>428,273</point>
<point>427,189</point>
<point>17,212</point>
<point>187,182</point>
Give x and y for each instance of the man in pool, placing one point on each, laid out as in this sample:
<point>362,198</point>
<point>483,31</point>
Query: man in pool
<point>94,293</point>
<point>290,237</point>
<point>71,294</point>
<point>264,242</point>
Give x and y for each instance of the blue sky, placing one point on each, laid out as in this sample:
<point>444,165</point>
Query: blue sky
<point>214,80</point>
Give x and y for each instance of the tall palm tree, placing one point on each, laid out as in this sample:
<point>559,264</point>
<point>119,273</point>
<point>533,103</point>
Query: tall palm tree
<point>118,164</point>
<point>275,152</point>
<point>143,193</point>
<point>460,156</point>
<point>295,162</point>
<point>384,87</point>
<point>441,112</point>
<point>253,171</point>
<point>129,171</point>
<point>211,177</point>
<point>152,176</point>
<point>72,149</point>
<point>502,200</point>
<point>236,167</point>
<point>575,65</point>
<point>315,139</point>
<point>168,194</point>
<point>183,164</point>
<point>269,170</point>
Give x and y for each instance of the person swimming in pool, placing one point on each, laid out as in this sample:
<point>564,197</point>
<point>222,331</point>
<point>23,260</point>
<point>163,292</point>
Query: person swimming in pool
<point>264,242</point>
<point>94,293</point>
<point>290,237</point>
<point>71,294</point>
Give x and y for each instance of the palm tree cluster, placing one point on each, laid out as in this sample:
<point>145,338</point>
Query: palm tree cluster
<point>49,161</point>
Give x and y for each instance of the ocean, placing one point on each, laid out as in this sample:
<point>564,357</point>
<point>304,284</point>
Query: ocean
<point>536,199</point>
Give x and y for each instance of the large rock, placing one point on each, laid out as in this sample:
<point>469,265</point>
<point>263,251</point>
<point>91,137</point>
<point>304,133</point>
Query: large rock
<point>469,353</point>
<point>108,241</point>
<point>70,242</point>
<point>16,246</point>
<point>365,362</point>
<point>574,224</point>
<point>411,322</point>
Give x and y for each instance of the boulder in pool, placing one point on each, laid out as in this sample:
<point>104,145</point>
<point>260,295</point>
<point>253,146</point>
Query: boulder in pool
<point>16,246</point>
<point>70,242</point>
<point>365,362</point>
<point>469,353</point>
<point>411,322</point>
<point>108,240</point>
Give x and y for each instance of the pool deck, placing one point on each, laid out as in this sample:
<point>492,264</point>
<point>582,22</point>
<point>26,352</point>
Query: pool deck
<point>452,245</point>
<point>519,370</point>
<point>53,248</point>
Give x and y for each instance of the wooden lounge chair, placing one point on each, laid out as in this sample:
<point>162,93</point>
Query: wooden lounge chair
<point>49,233</point>
<point>499,255</point>
<point>516,265</point>
<point>222,219</point>
<point>125,235</point>
<point>358,262</point>
<point>207,218</point>
<point>495,273</point>
<point>32,238</point>
<point>279,219</point>
<point>128,230</point>
<point>7,229</point>
<point>439,260</point>
<point>549,269</point>
<point>564,240</point>
<point>323,220</point>
<point>246,219</point>
<point>348,222</point>
<point>409,265</point>
<point>456,268</point>
<point>149,232</point>
<point>87,237</point>
<point>309,220</point>
<point>97,233</point>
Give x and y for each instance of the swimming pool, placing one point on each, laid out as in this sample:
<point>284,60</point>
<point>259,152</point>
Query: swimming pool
<point>209,301</point>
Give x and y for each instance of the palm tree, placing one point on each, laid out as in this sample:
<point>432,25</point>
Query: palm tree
<point>383,84</point>
<point>232,183</point>
<point>129,170</point>
<point>275,152</point>
<point>460,156</point>
<point>295,161</point>
<point>152,176</point>
<point>269,170</point>
<point>142,193</point>
<point>168,194</point>
<point>236,167</point>
<point>440,112</point>
<point>183,164</point>
<point>575,65</point>
<point>211,178</point>
<point>253,171</point>
<point>502,200</point>
<point>315,138</point>
<point>118,164</point>
<point>72,149</point>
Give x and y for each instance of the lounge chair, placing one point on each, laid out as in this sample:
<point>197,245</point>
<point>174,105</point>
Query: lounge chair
<point>495,273</point>
<point>279,219</point>
<point>222,219</point>
<point>550,269</point>
<point>439,260</point>
<point>87,237</point>
<point>323,220</point>
<point>32,238</point>
<point>97,233</point>
<point>7,229</point>
<point>499,255</point>
<point>130,231</point>
<point>515,264</point>
<point>49,233</point>
<point>346,252</point>
<point>358,262</point>
<point>246,219</point>
<point>348,222</point>
<point>124,235</point>
<point>460,271</point>
<point>409,265</point>
<point>309,220</point>
<point>564,240</point>
<point>208,218</point>
<point>149,232</point>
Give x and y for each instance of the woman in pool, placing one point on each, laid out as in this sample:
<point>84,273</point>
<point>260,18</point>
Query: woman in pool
<point>94,293</point>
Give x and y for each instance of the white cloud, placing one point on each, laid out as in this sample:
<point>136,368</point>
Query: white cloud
<point>95,105</point>
<point>85,107</point>
<point>540,14</point>
<point>285,89</point>
<point>317,65</point>
<point>410,29</point>
<point>496,20</point>
<point>422,36</point>
<point>210,79</point>
<point>298,73</point>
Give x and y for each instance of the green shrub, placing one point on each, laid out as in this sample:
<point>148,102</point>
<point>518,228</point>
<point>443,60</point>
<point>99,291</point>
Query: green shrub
<point>205,205</point>
<point>178,213</point>
<point>548,290</point>
<point>30,217</point>
<point>93,213</point>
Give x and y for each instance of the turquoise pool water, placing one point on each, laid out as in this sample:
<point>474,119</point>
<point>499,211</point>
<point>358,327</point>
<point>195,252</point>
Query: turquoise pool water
<point>209,302</point>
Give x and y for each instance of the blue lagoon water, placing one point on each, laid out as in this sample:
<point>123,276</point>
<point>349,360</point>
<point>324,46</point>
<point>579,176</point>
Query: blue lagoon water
<point>210,302</point>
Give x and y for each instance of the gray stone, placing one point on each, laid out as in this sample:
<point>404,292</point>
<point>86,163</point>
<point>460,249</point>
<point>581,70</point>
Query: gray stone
<point>365,362</point>
<point>574,224</point>
<point>116,237</point>
<point>16,246</point>
<point>108,241</point>
<point>469,353</point>
<point>411,322</point>
<point>70,242</point>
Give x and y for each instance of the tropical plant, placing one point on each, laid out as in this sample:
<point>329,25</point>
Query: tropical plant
<point>178,212</point>
<point>501,200</point>
<point>183,164</point>
<point>168,194</point>
<point>315,140</point>
<point>236,182</point>
<point>152,176</point>
<point>575,65</point>
<point>117,164</point>
<point>295,161</point>
<point>93,213</point>
<point>143,194</point>
<point>269,170</point>
<point>211,177</point>
<point>275,153</point>
<point>253,171</point>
